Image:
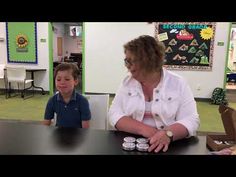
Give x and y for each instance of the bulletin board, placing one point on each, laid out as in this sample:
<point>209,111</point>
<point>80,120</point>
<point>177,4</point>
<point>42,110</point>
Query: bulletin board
<point>189,46</point>
<point>21,42</point>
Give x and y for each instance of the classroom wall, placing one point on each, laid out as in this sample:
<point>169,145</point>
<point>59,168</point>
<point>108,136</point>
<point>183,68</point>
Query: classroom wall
<point>104,68</point>
<point>41,78</point>
<point>232,49</point>
<point>203,82</point>
<point>72,45</point>
<point>3,48</point>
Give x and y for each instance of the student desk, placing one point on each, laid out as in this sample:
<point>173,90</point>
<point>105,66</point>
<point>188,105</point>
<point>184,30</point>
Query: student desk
<point>32,71</point>
<point>24,138</point>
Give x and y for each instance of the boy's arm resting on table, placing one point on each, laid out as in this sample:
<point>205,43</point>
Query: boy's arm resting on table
<point>49,113</point>
<point>85,124</point>
<point>47,122</point>
<point>131,125</point>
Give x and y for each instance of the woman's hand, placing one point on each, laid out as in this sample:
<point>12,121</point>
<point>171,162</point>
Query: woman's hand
<point>159,141</point>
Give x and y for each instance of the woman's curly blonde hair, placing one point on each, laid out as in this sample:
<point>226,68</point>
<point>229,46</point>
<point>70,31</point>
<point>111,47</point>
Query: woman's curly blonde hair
<point>148,52</point>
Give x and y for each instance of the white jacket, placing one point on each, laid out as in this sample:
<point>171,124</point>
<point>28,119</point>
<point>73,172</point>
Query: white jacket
<point>173,102</point>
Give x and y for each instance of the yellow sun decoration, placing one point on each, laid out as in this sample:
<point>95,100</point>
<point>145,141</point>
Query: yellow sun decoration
<point>206,33</point>
<point>21,40</point>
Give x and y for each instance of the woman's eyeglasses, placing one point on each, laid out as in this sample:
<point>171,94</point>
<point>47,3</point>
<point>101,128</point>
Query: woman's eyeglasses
<point>129,62</point>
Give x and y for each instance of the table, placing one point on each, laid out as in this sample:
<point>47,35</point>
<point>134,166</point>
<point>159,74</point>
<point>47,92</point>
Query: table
<point>24,138</point>
<point>32,71</point>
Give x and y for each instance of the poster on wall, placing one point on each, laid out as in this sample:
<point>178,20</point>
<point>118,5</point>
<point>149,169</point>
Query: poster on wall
<point>189,45</point>
<point>21,42</point>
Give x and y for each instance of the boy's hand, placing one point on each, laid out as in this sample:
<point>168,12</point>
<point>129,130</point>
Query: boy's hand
<point>46,122</point>
<point>85,124</point>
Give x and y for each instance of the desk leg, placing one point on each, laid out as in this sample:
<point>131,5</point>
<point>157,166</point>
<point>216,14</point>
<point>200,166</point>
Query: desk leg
<point>33,86</point>
<point>43,92</point>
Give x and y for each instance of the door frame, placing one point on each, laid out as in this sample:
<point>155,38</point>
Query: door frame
<point>227,55</point>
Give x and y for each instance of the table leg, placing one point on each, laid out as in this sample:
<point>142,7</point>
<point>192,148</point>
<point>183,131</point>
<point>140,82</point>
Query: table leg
<point>32,84</point>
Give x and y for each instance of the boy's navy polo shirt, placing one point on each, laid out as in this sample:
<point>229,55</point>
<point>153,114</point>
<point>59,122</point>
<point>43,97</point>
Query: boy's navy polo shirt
<point>68,115</point>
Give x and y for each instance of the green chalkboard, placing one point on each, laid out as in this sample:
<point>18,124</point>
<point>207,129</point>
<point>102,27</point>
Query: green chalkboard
<point>21,42</point>
<point>189,46</point>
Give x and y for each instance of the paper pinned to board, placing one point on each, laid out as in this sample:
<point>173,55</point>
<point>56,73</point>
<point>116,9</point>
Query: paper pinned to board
<point>162,36</point>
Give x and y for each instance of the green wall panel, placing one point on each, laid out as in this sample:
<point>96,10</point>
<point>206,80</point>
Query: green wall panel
<point>27,54</point>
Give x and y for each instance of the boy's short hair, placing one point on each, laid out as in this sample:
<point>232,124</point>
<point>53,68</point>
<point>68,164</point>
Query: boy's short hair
<point>66,67</point>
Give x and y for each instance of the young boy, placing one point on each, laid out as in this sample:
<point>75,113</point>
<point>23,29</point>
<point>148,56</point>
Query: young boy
<point>71,108</point>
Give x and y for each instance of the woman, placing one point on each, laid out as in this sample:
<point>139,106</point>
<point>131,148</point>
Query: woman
<point>152,101</point>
